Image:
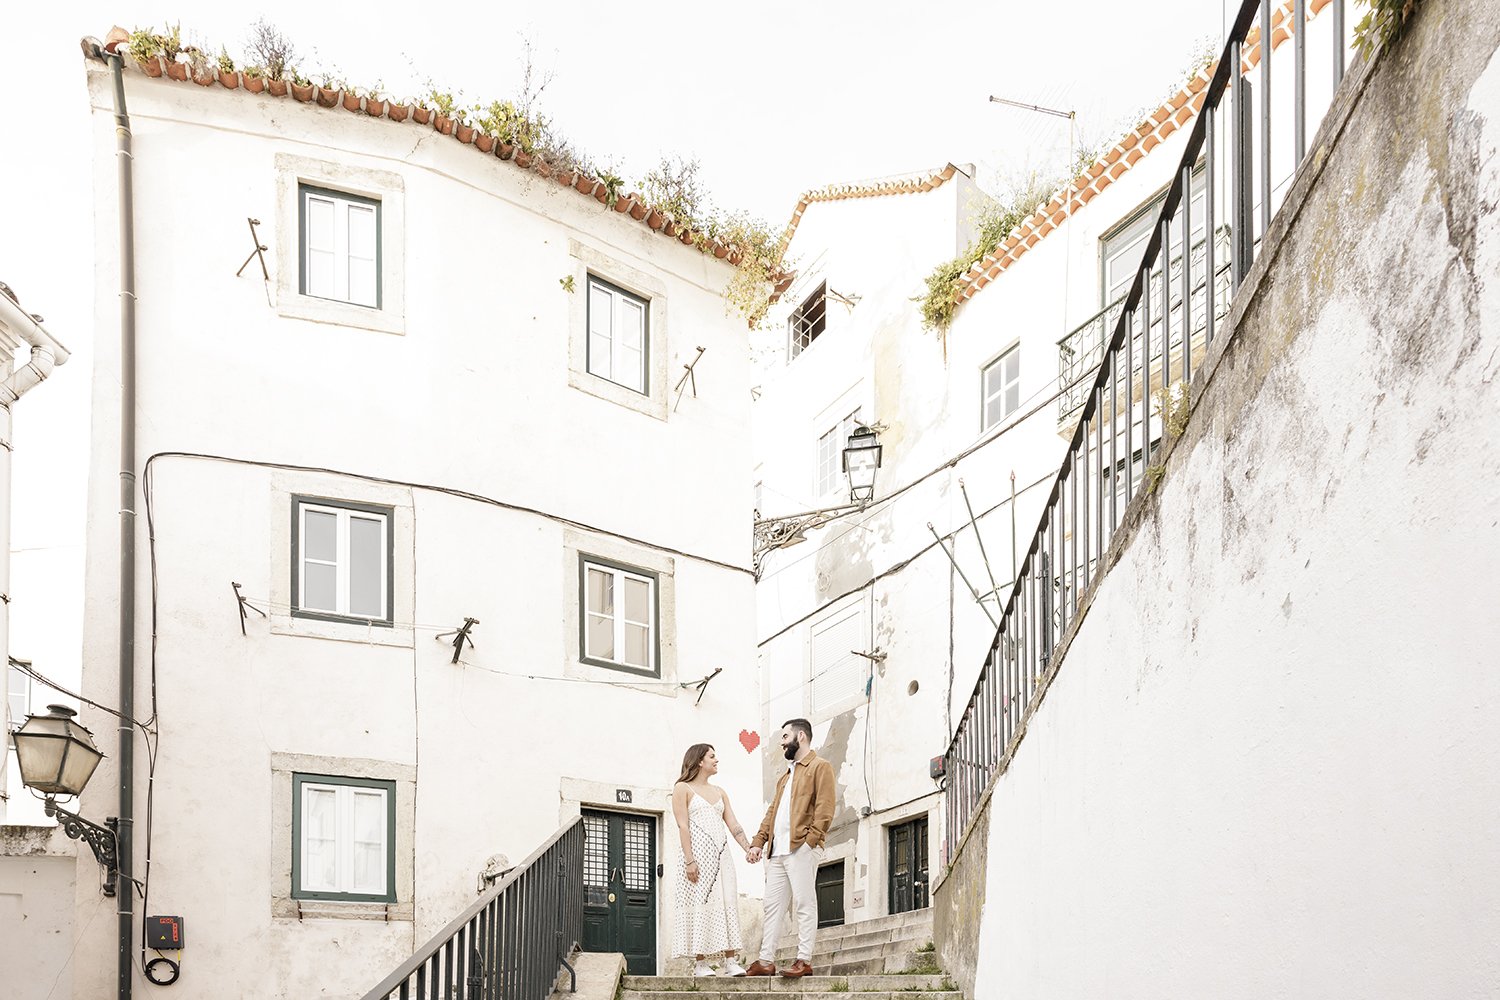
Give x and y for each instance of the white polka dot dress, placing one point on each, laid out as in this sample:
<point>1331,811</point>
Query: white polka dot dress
<point>708,916</point>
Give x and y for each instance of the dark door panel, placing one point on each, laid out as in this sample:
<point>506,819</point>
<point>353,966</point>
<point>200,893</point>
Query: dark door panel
<point>831,894</point>
<point>908,865</point>
<point>619,888</point>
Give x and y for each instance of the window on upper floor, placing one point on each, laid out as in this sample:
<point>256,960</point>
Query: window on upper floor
<point>619,616</point>
<point>1000,386</point>
<point>18,695</point>
<point>343,838</point>
<point>340,246</point>
<point>831,445</point>
<point>341,560</point>
<point>617,336</point>
<point>808,320</point>
<point>1122,248</point>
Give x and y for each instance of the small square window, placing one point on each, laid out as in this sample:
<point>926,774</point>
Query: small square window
<point>619,617</point>
<point>617,336</point>
<point>341,561</point>
<point>831,447</point>
<point>343,836</point>
<point>340,245</point>
<point>809,320</point>
<point>1001,385</point>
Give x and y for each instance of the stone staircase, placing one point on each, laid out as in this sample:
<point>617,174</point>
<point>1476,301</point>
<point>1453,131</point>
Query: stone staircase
<point>887,958</point>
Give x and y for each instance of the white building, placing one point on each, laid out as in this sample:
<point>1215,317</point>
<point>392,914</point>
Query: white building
<point>455,398</point>
<point>866,625</point>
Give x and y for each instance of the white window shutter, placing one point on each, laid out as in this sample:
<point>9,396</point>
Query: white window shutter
<point>320,250</point>
<point>837,672</point>
<point>362,237</point>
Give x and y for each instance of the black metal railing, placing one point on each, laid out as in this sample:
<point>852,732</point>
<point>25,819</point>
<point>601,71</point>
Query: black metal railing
<point>1143,371</point>
<point>512,942</point>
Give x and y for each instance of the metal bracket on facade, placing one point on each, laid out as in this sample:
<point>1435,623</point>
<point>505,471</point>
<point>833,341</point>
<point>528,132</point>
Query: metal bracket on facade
<point>689,377</point>
<point>259,251</point>
<point>774,533</point>
<point>703,684</point>
<point>460,636</point>
<point>244,602</point>
<point>101,839</point>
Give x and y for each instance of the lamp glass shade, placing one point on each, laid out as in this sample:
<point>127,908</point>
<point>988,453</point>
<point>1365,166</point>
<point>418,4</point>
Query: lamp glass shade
<point>56,754</point>
<point>861,459</point>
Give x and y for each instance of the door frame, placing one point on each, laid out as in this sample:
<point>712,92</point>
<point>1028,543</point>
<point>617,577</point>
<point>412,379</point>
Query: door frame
<point>878,886</point>
<point>578,794</point>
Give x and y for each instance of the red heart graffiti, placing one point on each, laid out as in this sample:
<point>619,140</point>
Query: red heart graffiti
<point>749,740</point>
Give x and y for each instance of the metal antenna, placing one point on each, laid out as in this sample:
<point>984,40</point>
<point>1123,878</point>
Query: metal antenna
<point>974,523</point>
<point>977,599</point>
<point>1033,107</point>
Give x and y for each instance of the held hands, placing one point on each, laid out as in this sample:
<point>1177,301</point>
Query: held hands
<point>753,855</point>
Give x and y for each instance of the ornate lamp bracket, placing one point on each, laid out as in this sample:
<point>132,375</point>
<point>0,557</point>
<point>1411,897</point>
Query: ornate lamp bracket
<point>101,839</point>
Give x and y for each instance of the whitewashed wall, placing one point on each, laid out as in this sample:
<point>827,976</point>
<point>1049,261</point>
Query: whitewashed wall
<point>1267,766</point>
<point>472,390</point>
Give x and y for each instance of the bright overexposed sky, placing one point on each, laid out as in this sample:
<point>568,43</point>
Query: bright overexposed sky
<point>772,98</point>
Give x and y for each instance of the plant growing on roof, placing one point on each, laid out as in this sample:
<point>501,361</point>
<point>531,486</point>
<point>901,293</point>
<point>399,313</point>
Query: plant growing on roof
<point>271,50</point>
<point>672,188</point>
<point>144,45</point>
<point>226,64</point>
<point>171,43</point>
<point>445,104</point>
<point>997,220</point>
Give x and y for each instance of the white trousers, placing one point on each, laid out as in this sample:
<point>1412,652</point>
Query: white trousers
<point>792,878</point>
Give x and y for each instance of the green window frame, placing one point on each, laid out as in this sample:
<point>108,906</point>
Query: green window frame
<point>305,192</point>
<point>299,781</point>
<point>585,563</point>
<point>608,368</point>
<point>347,507</point>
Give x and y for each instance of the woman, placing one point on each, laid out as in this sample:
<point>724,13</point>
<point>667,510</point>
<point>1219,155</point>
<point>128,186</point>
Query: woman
<point>708,917</point>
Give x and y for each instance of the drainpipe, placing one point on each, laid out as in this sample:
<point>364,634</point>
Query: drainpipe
<point>45,353</point>
<point>125,891</point>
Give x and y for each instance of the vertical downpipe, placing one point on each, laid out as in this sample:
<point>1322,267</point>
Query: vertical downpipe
<point>126,891</point>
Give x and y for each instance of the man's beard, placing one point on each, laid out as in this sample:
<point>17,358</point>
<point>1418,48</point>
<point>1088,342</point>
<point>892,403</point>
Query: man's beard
<point>790,751</point>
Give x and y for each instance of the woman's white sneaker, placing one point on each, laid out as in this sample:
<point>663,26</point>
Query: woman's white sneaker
<point>732,969</point>
<point>702,969</point>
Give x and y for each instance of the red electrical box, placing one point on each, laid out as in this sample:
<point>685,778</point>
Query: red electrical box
<point>164,933</point>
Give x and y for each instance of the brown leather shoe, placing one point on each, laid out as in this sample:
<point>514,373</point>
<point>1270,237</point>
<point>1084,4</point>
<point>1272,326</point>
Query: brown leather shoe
<point>797,970</point>
<point>759,968</point>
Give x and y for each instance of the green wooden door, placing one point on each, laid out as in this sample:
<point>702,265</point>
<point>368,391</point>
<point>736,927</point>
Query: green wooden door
<point>619,888</point>
<point>908,865</point>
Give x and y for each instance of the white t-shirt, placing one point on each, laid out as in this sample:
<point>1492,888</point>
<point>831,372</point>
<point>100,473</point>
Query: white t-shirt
<point>781,835</point>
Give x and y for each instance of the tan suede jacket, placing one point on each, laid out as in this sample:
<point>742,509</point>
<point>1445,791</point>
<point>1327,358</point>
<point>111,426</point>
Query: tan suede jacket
<point>812,804</point>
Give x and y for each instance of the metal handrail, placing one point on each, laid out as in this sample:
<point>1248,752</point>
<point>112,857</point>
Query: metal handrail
<point>511,941</point>
<point>1103,460</point>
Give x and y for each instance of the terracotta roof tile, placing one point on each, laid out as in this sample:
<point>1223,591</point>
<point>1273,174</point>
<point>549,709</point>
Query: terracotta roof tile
<point>905,184</point>
<point>1174,113</point>
<point>336,102</point>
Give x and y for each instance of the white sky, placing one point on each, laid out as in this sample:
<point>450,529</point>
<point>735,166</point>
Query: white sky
<point>771,97</point>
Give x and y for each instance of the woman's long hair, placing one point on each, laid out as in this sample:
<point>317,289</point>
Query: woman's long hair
<point>693,760</point>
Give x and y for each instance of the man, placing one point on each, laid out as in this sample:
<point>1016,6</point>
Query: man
<point>791,838</point>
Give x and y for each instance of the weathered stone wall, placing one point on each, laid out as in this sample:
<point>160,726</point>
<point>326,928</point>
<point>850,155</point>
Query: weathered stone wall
<point>1266,766</point>
<point>958,906</point>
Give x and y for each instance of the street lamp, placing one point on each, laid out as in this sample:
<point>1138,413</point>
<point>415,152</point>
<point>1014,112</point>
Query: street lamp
<point>57,757</point>
<point>861,459</point>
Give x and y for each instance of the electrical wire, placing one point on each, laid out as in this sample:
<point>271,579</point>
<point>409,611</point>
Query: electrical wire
<point>951,462</point>
<point>453,492</point>
<point>26,668</point>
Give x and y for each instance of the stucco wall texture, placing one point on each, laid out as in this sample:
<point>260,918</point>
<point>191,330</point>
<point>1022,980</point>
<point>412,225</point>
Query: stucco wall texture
<point>1267,765</point>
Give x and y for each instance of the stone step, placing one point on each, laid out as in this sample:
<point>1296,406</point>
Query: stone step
<point>916,918</point>
<point>825,955</point>
<point>908,938</point>
<point>782,986</point>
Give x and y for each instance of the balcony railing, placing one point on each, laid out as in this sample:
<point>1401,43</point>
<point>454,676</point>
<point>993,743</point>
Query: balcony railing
<point>1081,351</point>
<point>1151,354</point>
<point>511,942</point>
